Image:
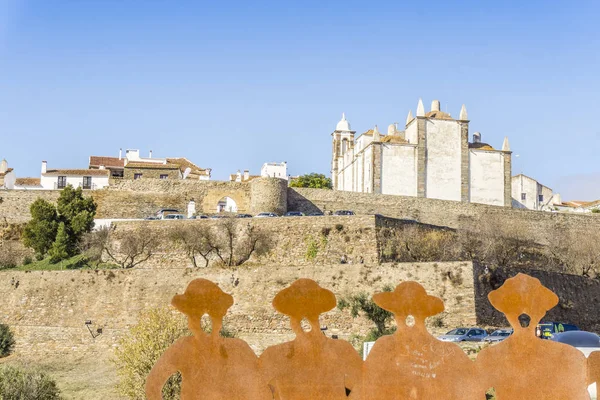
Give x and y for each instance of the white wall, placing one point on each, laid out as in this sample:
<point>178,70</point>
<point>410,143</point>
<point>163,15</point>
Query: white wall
<point>49,182</point>
<point>399,172</point>
<point>523,184</point>
<point>443,160</point>
<point>9,180</point>
<point>411,133</point>
<point>486,178</point>
<point>274,170</point>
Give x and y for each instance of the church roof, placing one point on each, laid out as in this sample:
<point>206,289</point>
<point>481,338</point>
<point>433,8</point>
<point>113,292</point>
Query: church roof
<point>343,125</point>
<point>393,139</point>
<point>438,115</point>
<point>480,146</point>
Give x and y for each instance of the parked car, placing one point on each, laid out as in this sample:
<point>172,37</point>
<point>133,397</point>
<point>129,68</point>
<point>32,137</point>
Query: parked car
<point>243,216</point>
<point>546,330</point>
<point>464,335</point>
<point>294,214</point>
<point>343,212</point>
<point>316,214</point>
<point>163,212</point>
<point>498,335</point>
<point>586,342</point>
<point>152,218</point>
<point>266,215</point>
<point>174,216</point>
<point>199,217</point>
<point>218,216</point>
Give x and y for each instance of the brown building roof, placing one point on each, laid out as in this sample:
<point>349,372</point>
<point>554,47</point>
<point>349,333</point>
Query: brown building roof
<point>147,165</point>
<point>393,139</point>
<point>27,181</point>
<point>438,115</point>
<point>184,164</point>
<point>7,171</point>
<point>79,172</point>
<point>108,162</point>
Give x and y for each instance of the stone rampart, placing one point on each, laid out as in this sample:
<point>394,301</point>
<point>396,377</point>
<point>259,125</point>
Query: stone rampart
<point>48,309</point>
<point>452,214</point>
<point>14,204</point>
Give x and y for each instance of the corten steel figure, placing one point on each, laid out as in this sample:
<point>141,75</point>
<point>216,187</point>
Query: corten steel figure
<point>312,366</point>
<point>594,369</point>
<point>524,366</point>
<point>411,363</point>
<point>212,367</point>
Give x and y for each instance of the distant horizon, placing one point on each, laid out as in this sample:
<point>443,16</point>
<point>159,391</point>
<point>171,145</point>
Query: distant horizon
<point>232,86</point>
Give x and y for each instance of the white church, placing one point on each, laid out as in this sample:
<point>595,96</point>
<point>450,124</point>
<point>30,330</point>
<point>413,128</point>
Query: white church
<point>431,157</point>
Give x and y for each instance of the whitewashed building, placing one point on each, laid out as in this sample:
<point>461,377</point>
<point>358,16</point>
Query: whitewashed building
<point>84,178</point>
<point>274,170</point>
<point>7,176</point>
<point>530,194</point>
<point>430,156</point>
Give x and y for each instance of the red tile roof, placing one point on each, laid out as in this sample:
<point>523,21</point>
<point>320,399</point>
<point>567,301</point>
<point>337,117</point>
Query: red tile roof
<point>147,165</point>
<point>108,162</point>
<point>7,171</point>
<point>27,181</point>
<point>78,172</point>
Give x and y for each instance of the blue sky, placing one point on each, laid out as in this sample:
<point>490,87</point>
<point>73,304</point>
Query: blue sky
<point>231,85</point>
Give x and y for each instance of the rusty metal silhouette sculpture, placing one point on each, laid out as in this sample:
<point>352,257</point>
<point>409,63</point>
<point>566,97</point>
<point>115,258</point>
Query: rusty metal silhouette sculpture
<point>312,366</point>
<point>212,367</point>
<point>523,366</point>
<point>411,363</point>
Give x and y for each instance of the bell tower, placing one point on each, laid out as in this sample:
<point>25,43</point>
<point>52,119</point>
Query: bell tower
<point>342,141</point>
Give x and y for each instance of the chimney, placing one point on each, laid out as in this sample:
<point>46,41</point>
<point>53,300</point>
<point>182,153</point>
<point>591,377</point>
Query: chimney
<point>239,176</point>
<point>3,166</point>
<point>150,156</point>
<point>44,165</point>
<point>477,137</point>
<point>435,105</point>
<point>246,174</point>
<point>120,153</point>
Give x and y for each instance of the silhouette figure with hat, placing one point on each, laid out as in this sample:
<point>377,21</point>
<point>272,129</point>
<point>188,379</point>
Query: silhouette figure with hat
<point>411,363</point>
<point>212,367</point>
<point>524,366</point>
<point>312,366</point>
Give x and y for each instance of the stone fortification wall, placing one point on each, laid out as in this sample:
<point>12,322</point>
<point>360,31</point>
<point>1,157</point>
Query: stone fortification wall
<point>578,296</point>
<point>436,212</point>
<point>47,310</point>
<point>293,240</point>
<point>268,195</point>
<point>14,204</point>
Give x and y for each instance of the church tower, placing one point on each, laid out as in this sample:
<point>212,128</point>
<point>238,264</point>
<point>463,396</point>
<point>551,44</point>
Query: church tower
<point>342,141</point>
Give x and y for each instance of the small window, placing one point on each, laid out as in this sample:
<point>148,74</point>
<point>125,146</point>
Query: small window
<point>137,176</point>
<point>523,196</point>
<point>164,176</point>
<point>62,182</point>
<point>87,182</point>
<point>541,198</point>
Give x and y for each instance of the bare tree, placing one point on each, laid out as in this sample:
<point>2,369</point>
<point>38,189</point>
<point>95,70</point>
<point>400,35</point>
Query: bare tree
<point>235,241</point>
<point>133,249</point>
<point>575,251</point>
<point>196,240</point>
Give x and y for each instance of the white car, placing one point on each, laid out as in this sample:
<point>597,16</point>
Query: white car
<point>586,342</point>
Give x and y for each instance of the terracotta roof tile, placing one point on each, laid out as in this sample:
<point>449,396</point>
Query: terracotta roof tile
<point>184,163</point>
<point>147,165</point>
<point>97,161</point>
<point>78,172</point>
<point>7,171</point>
<point>480,146</point>
<point>27,181</point>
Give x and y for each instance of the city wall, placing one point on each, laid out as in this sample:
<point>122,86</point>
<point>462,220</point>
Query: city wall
<point>47,310</point>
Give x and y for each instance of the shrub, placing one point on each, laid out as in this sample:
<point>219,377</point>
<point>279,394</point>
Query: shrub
<point>26,384</point>
<point>8,256</point>
<point>138,351</point>
<point>7,340</point>
<point>27,260</point>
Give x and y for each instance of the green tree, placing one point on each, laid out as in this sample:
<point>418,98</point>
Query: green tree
<point>361,303</point>
<point>60,248</point>
<point>25,384</point>
<point>313,180</point>
<point>40,231</point>
<point>74,212</point>
<point>7,340</point>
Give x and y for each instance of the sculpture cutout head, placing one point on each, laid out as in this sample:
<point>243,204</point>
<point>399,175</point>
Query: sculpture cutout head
<point>409,299</point>
<point>203,297</point>
<point>523,296</point>
<point>304,299</point>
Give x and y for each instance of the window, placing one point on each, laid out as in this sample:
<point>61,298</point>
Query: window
<point>164,176</point>
<point>87,182</point>
<point>62,182</point>
<point>137,176</point>
<point>541,198</point>
<point>523,196</point>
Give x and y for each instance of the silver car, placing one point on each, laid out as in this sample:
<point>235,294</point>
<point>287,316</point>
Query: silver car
<point>498,335</point>
<point>464,335</point>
